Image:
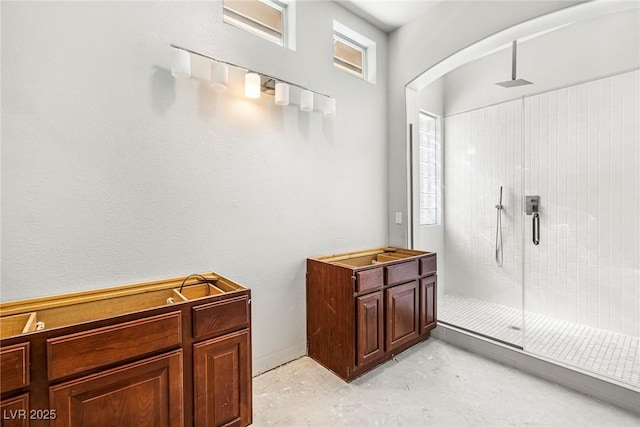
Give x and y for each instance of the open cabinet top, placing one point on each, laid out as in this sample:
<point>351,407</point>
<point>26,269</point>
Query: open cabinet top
<point>369,257</point>
<point>32,315</point>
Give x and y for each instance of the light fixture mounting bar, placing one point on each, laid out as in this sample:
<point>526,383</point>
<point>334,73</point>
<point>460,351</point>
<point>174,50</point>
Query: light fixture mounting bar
<point>212,58</point>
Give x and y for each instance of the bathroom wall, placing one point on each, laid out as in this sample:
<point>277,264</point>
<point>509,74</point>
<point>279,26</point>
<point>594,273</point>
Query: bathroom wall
<point>577,273</point>
<point>423,43</point>
<point>576,148</point>
<point>113,172</point>
<point>581,156</point>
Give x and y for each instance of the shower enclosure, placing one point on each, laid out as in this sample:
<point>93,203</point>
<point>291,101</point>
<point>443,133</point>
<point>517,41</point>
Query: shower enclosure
<point>541,223</point>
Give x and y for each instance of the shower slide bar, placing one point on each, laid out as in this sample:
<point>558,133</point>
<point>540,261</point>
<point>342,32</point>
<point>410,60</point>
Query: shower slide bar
<point>499,251</point>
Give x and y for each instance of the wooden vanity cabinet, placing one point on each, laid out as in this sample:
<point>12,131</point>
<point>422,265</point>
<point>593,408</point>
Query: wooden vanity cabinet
<point>186,362</point>
<point>364,307</point>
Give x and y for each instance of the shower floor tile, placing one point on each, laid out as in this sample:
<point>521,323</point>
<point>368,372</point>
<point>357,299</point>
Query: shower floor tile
<point>604,353</point>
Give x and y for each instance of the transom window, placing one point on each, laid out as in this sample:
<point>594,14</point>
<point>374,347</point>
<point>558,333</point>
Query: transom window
<point>349,56</point>
<point>266,18</point>
<point>354,53</point>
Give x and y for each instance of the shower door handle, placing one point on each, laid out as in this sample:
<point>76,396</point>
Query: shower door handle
<point>535,228</point>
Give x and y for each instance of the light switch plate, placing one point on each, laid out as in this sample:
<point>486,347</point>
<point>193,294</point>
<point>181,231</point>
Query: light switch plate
<point>398,217</point>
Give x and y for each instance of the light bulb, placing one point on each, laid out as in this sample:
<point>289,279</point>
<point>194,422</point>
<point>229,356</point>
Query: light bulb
<point>252,85</point>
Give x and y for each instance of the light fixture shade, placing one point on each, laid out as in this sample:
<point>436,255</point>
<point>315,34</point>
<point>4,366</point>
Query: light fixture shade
<point>306,100</point>
<point>252,85</point>
<point>219,75</point>
<point>329,107</point>
<point>282,93</point>
<point>180,64</point>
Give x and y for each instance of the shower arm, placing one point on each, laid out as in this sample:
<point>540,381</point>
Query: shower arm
<point>514,59</point>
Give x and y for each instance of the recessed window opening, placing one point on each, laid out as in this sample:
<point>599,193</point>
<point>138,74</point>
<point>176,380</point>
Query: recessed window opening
<point>349,56</point>
<point>430,169</point>
<point>354,53</point>
<point>265,18</point>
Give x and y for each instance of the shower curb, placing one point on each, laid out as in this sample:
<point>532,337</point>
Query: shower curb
<point>624,397</point>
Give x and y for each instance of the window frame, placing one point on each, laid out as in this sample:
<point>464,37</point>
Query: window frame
<point>347,41</point>
<point>362,43</point>
<point>437,162</point>
<point>254,26</point>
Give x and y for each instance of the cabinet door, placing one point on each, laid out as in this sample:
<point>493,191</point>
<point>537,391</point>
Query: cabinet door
<point>401,303</point>
<point>222,381</point>
<point>15,411</point>
<point>144,393</point>
<point>370,327</point>
<point>428,296</point>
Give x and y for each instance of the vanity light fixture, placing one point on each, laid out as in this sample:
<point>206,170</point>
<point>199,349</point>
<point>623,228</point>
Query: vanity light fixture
<point>255,82</point>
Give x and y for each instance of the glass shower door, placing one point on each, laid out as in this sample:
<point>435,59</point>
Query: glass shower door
<point>481,288</point>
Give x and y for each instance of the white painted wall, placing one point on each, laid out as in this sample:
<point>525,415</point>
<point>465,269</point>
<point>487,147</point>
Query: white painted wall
<point>419,45</point>
<point>113,172</point>
<point>431,98</point>
<point>576,53</point>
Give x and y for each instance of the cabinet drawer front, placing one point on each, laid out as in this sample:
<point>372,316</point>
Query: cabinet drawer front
<point>79,352</point>
<point>428,265</point>
<point>402,272</point>
<point>369,279</point>
<point>14,365</point>
<point>221,317</point>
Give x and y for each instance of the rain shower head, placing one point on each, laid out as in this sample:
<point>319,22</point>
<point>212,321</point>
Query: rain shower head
<point>514,82</point>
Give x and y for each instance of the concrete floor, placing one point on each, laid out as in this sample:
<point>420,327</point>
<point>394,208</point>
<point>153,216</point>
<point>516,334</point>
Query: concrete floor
<point>431,384</point>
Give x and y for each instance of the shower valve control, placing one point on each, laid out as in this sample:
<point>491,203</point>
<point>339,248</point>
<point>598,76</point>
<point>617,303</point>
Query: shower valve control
<point>532,204</point>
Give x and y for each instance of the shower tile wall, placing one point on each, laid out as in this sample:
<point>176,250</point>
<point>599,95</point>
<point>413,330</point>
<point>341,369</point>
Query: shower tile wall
<point>483,151</point>
<point>582,156</point>
<point>580,151</point>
